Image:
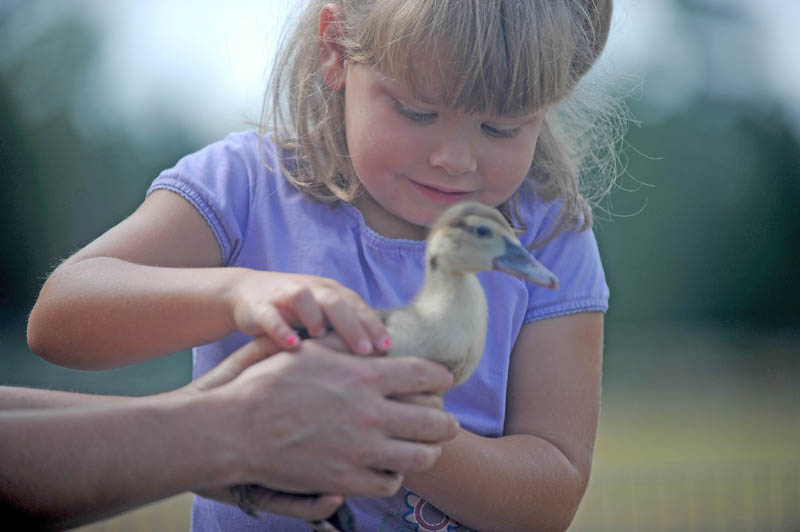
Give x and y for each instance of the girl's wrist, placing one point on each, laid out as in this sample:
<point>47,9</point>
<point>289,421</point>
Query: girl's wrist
<point>227,292</point>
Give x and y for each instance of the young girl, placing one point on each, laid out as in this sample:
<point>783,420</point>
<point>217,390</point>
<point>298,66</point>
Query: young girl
<point>384,113</point>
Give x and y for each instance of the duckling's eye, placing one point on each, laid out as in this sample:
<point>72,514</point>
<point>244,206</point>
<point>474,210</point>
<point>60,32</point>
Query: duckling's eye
<point>483,231</point>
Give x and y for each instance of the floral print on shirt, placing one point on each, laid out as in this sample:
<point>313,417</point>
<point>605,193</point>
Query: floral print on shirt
<point>421,516</point>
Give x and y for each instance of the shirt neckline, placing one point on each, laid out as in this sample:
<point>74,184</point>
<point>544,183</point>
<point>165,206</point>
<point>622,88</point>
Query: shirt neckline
<point>377,240</point>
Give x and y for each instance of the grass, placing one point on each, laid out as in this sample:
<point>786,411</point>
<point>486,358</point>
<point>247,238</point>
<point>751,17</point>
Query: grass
<point>703,436</point>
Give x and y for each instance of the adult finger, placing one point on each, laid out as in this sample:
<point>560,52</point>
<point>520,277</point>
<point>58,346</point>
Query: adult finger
<point>410,375</point>
<point>367,482</point>
<point>430,400</point>
<point>404,456</point>
<point>235,363</point>
<point>308,507</point>
<point>332,340</point>
<point>418,423</point>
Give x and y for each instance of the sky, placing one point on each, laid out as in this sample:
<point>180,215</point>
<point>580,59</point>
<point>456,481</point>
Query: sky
<point>204,63</point>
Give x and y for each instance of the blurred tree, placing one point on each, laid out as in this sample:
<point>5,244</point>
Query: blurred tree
<point>17,200</point>
<point>714,241</point>
<point>60,186</point>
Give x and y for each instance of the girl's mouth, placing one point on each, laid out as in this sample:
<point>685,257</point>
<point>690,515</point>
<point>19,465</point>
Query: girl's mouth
<point>441,195</point>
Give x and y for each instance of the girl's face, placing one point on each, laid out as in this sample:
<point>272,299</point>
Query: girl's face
<point>417,157</point>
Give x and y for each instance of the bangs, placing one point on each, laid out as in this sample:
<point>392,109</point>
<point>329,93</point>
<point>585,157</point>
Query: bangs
<point>501,56</point>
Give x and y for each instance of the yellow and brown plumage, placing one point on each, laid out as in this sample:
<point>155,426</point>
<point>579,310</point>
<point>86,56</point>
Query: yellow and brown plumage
<point>447,319</point>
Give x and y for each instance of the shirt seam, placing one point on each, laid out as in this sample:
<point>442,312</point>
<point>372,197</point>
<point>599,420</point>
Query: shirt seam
<point>563,308</point>
<point>174,184</point>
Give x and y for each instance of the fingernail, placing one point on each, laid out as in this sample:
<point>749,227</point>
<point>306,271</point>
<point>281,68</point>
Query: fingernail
<point>291,339</point>
<point>364,347</point>
<point>385,342</point>
<point>331,499</point>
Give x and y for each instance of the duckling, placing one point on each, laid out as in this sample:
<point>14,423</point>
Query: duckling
<point>447,319</point>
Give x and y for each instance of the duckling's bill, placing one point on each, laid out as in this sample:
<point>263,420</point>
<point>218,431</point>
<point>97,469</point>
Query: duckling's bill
<point>518,262</point>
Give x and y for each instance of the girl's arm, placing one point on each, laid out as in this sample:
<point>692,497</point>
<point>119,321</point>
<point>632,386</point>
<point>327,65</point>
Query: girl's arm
<point>153,285</point>
<point>147,287</point>
<point>534,477</point>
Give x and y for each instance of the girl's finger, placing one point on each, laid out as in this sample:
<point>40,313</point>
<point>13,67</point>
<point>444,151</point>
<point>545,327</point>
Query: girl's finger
<point>272,323</point>
<point>344,321</point>
<point>373,323</point>
<point>369,319</point>
<point>304,306</point>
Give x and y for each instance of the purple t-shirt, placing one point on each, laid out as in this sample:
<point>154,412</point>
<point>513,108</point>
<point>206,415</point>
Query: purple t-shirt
<point>262,222</point>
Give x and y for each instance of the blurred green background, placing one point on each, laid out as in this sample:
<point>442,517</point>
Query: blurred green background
<point>700,427</point>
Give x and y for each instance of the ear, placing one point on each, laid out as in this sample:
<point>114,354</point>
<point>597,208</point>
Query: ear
<point>331,53</point>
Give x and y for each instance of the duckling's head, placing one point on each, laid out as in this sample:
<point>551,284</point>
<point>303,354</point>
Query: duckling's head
<point>471,237</point>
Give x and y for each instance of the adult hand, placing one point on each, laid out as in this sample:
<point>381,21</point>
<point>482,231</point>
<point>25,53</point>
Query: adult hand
<point>308,507</point>
<point>315,421</point>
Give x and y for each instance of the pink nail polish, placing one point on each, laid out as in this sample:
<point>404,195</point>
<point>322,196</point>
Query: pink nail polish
<point>364,347</point>
<point>291,339</point>
<point>386,343</point>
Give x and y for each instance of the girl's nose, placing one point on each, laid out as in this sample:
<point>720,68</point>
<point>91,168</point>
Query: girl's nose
<point>454,155</point>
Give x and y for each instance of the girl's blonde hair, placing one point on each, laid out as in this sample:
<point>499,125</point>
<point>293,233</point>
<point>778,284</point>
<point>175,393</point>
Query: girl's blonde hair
<point>505,56</point>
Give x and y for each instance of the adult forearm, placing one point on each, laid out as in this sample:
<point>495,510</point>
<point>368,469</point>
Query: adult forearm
<point>104,312</point>
<point>68,466</point>
<point>12,397</point>
<point>525,483</point>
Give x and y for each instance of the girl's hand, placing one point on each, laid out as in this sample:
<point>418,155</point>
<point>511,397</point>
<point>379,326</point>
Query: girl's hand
<point>270,303</point>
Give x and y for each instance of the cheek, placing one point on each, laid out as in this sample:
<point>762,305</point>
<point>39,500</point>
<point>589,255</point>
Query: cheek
<point>379,145</point>
<point>509,167</point>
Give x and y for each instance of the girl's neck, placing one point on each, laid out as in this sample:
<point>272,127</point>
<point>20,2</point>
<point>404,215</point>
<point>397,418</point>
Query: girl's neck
<point>385,223</point>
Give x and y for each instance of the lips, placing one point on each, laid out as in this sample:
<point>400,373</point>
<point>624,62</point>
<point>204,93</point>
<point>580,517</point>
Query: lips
<point>441,194</point>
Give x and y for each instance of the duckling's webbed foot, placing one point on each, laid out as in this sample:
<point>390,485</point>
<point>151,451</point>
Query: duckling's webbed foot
<point>243,495</point>
<point>342,520</point>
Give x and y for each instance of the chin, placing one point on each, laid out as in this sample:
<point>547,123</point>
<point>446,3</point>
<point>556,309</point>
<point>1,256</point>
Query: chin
<point>424,220</point>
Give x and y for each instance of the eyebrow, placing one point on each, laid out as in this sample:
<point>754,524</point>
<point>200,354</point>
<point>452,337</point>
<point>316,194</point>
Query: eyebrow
<point>395,85</point>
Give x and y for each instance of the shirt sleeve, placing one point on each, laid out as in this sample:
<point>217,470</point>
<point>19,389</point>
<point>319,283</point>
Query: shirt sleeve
<point>218,181</point>
<point>574,257</point>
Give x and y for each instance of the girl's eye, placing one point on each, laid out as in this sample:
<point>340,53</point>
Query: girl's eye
<point>500,133</point>
<point>411,114</point>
